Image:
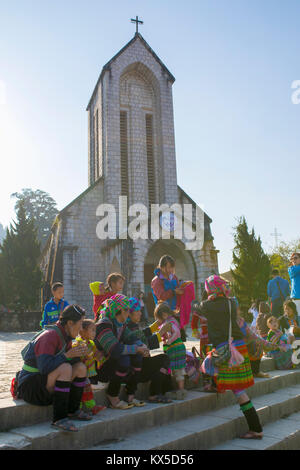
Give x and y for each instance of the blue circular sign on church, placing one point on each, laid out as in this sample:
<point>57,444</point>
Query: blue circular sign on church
<point>167,221</point>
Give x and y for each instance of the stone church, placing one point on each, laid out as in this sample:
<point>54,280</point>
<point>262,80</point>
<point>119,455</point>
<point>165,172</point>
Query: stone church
<point>131,152</point>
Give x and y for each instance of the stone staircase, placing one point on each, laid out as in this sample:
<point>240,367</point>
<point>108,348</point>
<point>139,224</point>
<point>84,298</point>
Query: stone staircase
<point>201,421</point>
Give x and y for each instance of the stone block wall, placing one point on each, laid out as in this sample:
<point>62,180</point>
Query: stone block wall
<point>20,321</point>
<point>82,258</point>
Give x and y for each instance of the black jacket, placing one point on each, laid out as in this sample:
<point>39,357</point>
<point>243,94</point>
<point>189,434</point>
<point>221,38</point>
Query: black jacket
<point>217,313</point>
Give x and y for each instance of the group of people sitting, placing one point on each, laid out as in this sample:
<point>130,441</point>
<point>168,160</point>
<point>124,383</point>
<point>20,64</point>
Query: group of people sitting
<point>66,360</point>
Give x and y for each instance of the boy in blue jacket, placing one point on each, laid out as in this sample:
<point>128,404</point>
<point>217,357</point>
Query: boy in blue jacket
<point>55,306</point>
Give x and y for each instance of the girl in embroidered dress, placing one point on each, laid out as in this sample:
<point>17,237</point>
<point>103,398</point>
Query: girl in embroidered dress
<point>173,346</point>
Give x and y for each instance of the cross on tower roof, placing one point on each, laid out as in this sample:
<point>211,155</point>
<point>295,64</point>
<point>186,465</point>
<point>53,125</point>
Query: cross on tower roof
<point>137,21</point>
<point>276,235</point>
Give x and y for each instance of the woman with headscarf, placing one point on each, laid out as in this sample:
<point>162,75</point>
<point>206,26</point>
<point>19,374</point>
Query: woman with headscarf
<point>236,377</point>
<point>154,368</point>
<point>122,352</point>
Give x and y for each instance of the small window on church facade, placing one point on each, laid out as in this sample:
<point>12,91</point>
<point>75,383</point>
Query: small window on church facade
<point>150,159</point>
<point>124,153</point>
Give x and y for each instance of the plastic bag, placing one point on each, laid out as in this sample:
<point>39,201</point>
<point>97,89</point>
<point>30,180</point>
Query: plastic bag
<point>236,358</point>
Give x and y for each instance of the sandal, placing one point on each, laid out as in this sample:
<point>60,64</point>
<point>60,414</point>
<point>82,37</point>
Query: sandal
<point>252,435</point>
<point>154,400</point>
<point>136,402</point>
<point>122,405</point>
<point>65,425</point>
<point>80,415</point>
<point>97,409</point>
<point>164,399</point>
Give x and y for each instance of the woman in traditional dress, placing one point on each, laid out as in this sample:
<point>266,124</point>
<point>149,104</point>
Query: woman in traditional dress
<point>239,377</point>
<point>122,352</point>
<point>179,295</point>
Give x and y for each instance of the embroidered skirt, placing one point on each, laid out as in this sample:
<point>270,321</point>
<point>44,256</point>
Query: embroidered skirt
<point>176,353</point>
<point>237,377</point>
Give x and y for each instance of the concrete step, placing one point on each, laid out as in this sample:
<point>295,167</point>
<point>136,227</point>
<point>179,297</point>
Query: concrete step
<point>114,424</point>
<point>208,430</point>
<point>283,434</point>
<point>15,413</point>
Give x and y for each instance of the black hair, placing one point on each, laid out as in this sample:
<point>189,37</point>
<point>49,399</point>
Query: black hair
<point>291,305</point>
<point>87,322</point>
<point>73,313</point>
<point>161,308</point>
<point>113,277</point>
<point>275,272</point>
<point>164,260</point>
<point>56,285</point>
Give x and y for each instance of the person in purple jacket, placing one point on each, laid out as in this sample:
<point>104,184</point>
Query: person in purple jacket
<point>52,372</point>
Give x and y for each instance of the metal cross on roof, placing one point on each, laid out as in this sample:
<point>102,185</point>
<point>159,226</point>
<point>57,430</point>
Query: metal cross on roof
<point>137,22</point>
<point>276,235</point>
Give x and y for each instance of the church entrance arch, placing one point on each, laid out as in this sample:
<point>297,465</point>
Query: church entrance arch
<point>185,265</point>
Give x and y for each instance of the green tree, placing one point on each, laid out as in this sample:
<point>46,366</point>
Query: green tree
<point>280,256</point>
<point>251,271</point>
<point>40,207</point>
<point>20,275</point>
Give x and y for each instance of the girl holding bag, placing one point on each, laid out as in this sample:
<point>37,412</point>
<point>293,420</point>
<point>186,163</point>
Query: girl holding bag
<point>229,361</point>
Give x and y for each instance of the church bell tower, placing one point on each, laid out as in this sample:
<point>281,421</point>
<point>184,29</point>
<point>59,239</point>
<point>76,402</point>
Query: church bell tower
<point>131,128</point>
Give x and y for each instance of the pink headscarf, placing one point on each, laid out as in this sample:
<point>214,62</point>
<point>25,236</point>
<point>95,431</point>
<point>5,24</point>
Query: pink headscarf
<point>216,286</point>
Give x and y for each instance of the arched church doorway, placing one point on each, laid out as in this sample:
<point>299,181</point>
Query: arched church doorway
<point>185,265</point>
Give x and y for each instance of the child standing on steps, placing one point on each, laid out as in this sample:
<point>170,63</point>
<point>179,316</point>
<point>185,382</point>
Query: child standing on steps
<point>86,336</point>
<point>173,346</point>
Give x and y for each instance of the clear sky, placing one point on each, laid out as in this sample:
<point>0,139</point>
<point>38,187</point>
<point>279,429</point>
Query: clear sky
<point>237,130</point>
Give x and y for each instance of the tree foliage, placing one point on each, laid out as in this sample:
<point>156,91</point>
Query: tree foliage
<point>40,207</point>
<point>280,256</point>
<point>251,271</point>
<point>20,276</point>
